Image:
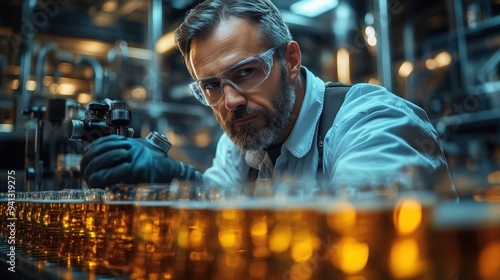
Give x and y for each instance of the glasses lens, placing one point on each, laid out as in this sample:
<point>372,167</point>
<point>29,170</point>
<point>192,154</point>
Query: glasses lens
<point>196,90</point>
<point>247,76</point>
<point>243,76</point>
<point>211,90</point>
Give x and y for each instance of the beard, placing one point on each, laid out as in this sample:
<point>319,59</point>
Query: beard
<point>247,137</point>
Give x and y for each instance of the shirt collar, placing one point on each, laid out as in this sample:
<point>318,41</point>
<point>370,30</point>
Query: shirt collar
<point>300,140</point>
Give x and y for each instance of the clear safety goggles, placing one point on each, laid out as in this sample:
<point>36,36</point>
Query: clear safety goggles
<point>244,76</point>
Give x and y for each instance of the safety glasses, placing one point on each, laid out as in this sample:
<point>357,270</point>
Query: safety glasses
<point>244,76</point>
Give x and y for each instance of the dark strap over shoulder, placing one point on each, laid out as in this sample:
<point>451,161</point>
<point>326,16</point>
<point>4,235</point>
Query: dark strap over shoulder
<point>334,97</point>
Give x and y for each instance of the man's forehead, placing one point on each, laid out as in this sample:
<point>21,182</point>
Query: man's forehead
<point>214,64</point>
<point>234,40</point>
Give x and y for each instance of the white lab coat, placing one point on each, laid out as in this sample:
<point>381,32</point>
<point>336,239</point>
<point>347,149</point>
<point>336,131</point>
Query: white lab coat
<point>377,138</point>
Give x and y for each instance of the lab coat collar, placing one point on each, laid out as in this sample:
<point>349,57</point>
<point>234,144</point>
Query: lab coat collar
<point>300,140</point>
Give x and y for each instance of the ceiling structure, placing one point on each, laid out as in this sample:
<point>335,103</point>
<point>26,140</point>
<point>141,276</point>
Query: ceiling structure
<point>112,20</point>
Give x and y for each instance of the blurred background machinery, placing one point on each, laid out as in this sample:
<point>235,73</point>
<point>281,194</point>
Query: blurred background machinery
<point>443,55</point>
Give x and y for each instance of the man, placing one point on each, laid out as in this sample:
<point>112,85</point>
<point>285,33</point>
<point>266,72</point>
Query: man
<point>248,69</point>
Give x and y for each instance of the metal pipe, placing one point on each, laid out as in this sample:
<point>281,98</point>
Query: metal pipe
<point>98,74</point>
<point>41,65</point>
<point>409,51</point>
<point>485,73</point>
<point>462,44</point>
<point>26,48</point>
<point>384,44</point>
<point>152,81</point>
<point>33,149</point>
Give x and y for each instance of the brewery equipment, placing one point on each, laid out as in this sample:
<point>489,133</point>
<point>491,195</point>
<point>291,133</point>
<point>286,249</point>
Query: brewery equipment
<point>48,153</point>
<point>33,151</point>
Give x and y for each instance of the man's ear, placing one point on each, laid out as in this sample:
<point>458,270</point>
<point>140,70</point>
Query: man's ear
<point>293,59</point>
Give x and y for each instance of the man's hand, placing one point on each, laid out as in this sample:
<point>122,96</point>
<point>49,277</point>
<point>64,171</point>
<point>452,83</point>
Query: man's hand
<point>114,159</point>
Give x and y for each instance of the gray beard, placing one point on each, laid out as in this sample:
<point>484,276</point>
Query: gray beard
<point>247,137</point>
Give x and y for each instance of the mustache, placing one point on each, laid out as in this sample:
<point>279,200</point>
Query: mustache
<point>242,113</point>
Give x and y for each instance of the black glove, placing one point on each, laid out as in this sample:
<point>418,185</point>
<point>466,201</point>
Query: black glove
<point>116,159</point>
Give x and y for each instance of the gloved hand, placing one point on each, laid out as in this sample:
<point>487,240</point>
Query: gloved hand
<point>116,159</point>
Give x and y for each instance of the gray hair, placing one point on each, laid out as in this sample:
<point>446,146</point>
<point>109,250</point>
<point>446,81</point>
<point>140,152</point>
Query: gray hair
<point>202,21</point>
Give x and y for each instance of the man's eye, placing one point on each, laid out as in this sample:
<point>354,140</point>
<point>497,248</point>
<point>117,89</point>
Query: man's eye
<point>245,72</point>
<point>211,85</point>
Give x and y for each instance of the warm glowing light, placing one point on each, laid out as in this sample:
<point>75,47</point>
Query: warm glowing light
<point>54,88</point>
<point>165,43</point>
<point>370,36</point>
<point>66,89</point>
<point>202,138</point>
<point>175,139</point>
<point>405,258</point>
<point>146,229</point>
<point>31,85</point>
<point>93,47</point>
<point>15,84</point>
<point>280,238</point>
<point>489,261</point>
<point>48,80</point>
<point>183,237</point>
<point>139,93</point>
<point>139,53</point>
<point>441,60</point>
<point>228,238</point>
<point>303,249</point>
<point>369,31</point>
<point>494,177</point>
<point>195,237</point>
<point>259,229</point>
<point>84,98</point>
<point>430,63</point>
<point>405,69</point>
<point>342,218</point>
<point>110,6</point>
<point>350,256</point>
<point>343,66</point>
<point>490,194</point>
<point>229,214</point>
<point>372,41</point>
<point>407,215</point>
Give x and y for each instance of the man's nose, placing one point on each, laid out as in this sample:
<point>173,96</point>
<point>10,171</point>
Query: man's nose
<point>233,98</point>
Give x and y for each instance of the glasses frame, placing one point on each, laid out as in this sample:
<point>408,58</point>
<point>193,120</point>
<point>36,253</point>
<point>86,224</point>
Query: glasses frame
<point>266,56</point>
